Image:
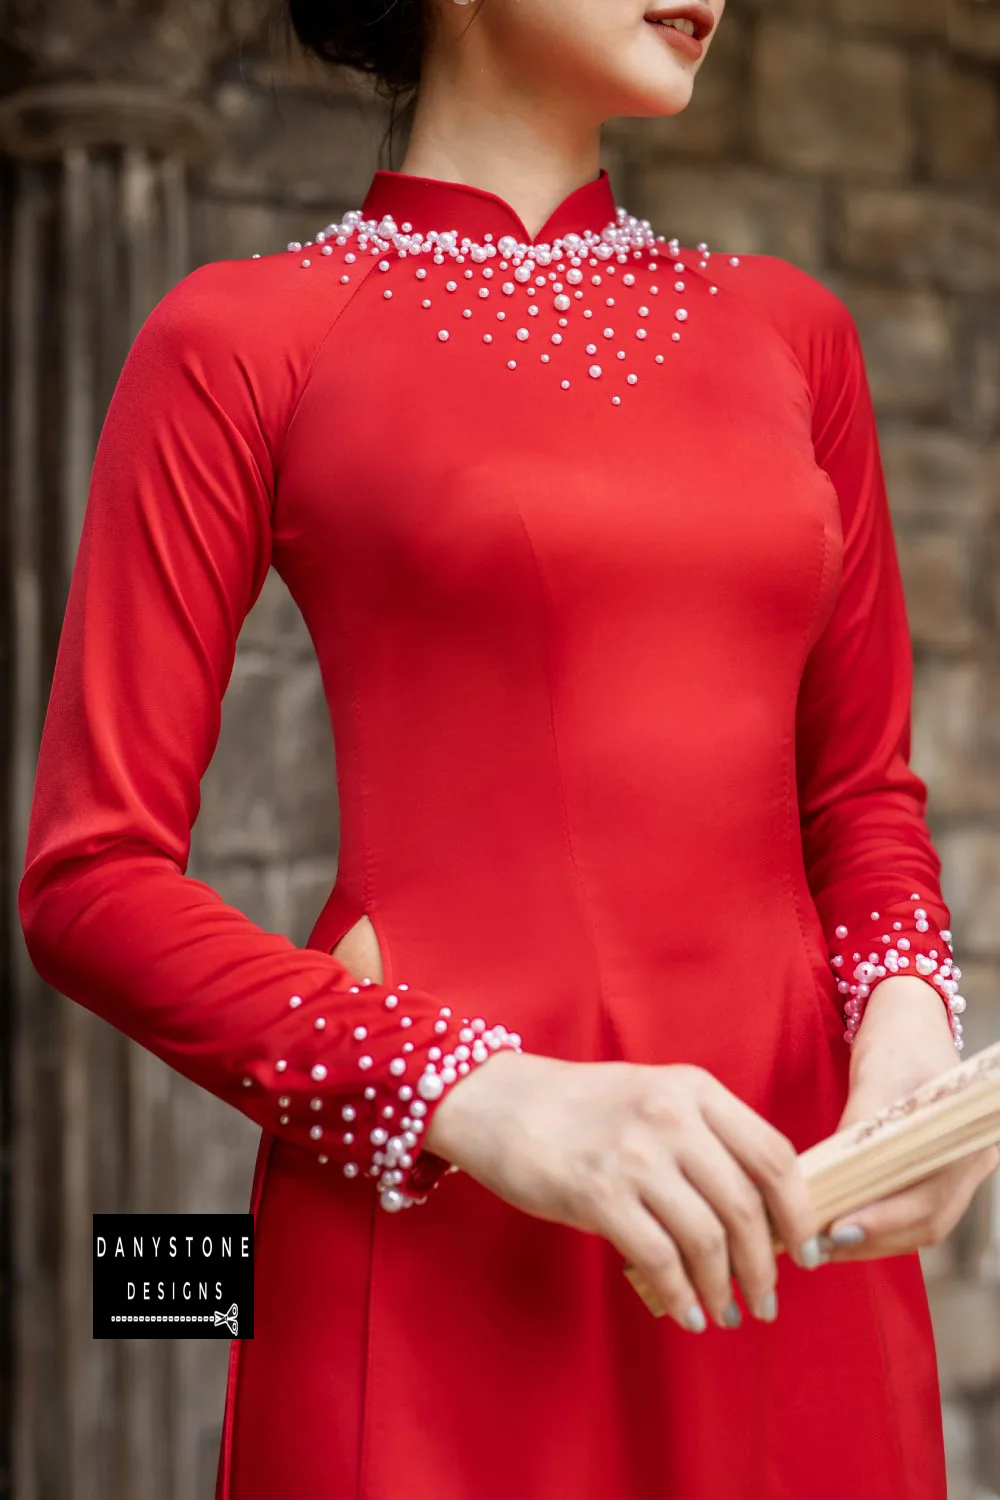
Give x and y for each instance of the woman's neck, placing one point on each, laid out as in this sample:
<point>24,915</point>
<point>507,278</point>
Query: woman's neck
<point>531,153</point>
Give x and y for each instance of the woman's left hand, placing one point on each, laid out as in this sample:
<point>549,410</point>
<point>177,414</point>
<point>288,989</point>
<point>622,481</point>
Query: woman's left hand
<point>904,1041</point>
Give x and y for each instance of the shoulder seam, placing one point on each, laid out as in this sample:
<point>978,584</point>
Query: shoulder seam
<point>762,311</point>
<point>307,377</point>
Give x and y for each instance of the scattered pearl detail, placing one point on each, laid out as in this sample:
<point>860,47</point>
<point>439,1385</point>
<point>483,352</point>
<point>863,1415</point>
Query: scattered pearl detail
<point>558,269</point>
<point>897,957</point>
<point>412,1078</point>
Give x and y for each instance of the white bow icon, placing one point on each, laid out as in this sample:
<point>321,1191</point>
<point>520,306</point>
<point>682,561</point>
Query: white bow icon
<point>229,1318</point>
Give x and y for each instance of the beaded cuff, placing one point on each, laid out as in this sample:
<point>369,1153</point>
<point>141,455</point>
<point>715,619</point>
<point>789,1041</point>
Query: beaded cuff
<point>903,944</point>
<point>376,1131</point>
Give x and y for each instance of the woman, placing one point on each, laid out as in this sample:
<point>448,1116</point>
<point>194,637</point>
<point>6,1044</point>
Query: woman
<point>590,533</point>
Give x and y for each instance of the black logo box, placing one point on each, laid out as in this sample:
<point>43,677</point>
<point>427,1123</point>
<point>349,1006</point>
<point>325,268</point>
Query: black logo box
<point>173,1276</point>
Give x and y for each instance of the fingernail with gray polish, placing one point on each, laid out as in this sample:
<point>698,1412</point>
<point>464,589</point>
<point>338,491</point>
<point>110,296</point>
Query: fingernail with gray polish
<point>732,1317</point>
<point>812,1254</point>
<point>769,1308</point>
<point>695,1319</point>
<point>847,1234</point>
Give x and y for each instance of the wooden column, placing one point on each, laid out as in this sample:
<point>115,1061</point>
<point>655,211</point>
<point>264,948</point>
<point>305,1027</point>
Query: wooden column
<point>96,234</point>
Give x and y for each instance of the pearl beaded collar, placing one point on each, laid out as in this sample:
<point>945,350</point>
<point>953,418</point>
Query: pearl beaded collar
<point>538,285</point>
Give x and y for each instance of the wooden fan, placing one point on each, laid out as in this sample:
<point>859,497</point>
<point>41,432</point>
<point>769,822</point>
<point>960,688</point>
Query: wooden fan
<point>954,1115</point>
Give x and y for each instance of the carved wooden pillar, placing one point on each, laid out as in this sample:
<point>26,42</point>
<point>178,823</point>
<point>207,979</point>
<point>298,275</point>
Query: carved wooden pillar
<point>94,233</point>
<point>98,233</point>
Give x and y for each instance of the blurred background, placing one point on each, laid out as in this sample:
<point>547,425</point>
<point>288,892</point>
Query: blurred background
<point>138,138</point>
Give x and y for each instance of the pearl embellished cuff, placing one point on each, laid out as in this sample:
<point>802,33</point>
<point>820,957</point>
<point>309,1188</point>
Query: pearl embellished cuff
<point>400,1183</point>
<point>360,1090</point>
<point>907,944</point>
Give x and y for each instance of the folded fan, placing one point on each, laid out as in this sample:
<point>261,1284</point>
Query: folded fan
<point>954,1115</point>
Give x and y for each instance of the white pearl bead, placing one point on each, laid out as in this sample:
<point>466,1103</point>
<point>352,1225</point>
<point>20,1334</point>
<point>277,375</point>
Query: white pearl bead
<point>318,1071</point>
<point>295,1001</point>
<point>429,1086</point>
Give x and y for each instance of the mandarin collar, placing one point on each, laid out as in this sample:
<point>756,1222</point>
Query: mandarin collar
<point>427,203</point>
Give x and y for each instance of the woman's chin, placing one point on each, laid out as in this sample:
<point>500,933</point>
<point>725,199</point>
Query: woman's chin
<point>656,97</point>
<point>655,84</point>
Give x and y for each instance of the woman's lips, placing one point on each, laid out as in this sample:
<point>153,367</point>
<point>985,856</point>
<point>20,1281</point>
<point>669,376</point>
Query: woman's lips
<point>688,46</point>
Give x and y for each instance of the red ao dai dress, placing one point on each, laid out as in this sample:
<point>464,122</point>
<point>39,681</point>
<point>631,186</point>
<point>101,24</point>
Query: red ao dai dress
<point>591,538</point>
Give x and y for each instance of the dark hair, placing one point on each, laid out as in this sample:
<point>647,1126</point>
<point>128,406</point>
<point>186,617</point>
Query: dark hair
<point>383,38</point>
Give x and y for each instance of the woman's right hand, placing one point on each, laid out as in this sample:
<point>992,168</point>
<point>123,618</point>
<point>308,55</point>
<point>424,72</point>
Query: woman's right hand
<point>681,1176</point>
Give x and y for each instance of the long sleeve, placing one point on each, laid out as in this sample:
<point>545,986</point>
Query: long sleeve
<point>872,867</point>
<point>175,547</point>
